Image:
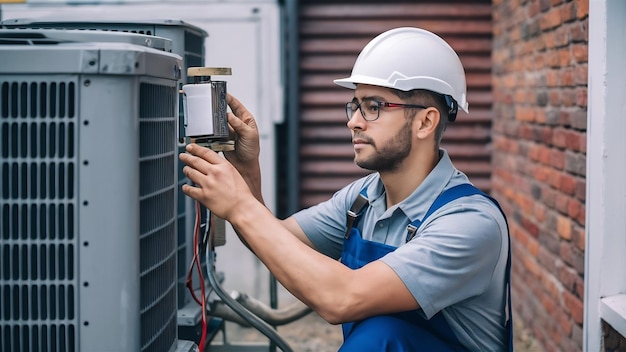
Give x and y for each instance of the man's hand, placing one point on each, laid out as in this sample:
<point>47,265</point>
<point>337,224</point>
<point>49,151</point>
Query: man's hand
<point>246,134</point>
<point>245,157</point>
<point>217,184</point>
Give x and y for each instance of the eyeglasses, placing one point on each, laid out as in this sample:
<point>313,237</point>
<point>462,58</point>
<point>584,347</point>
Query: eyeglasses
<point>370,109</point>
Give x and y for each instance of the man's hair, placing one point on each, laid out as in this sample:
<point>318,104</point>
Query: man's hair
<point>426,98</point>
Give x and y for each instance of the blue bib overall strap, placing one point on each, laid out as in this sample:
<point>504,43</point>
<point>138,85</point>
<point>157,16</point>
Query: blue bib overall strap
<point>355,210</point>
<point>406,331</point>
<point>464,190</point>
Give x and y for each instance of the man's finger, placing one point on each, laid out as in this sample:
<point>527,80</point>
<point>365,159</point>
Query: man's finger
<point>235,105</point>
<point>194,162</point>
<point>194,175</point>
<point>191,191</point>
<point>239,109</point>
<point>203,153</point>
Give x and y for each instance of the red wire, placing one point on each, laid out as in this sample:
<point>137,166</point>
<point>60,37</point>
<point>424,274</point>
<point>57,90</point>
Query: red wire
<point>196,262</point>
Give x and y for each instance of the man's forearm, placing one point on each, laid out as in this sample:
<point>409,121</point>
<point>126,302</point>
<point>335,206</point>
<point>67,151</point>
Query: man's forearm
<point>310,276</point>
<point>252,176</point>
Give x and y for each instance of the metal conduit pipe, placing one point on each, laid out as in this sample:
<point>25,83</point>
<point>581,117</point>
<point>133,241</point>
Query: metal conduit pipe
<point>246,315</point>
<point>280,316</point>
<point>275,317</point>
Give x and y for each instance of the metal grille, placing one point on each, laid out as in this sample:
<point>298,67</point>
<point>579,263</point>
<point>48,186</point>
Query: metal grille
<point>192,52</point>
<point>158,237</point>
<point>38,256</point>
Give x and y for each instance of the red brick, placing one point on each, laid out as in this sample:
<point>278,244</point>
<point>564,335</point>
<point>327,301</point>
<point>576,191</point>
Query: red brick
<point>564,324</point>
<point>568,12</point>
<point>581,97</point>
<point>568,97</point>
<point>567,184</point>
<point>525,132</point>
<point>582,216</point>
<point>534,152</point>
<point>540,173</point>
<point>561,36</point>
<point>582,8</point>
<point>562,202</point>
<point>566,253</point>
<point>575,209</point>
<point>565,57</point>
<point>545,155</point>
<point>524,114</point>
<point>540,116</point>
<point>580,288</point>
<point>581,74</point>
<point>554,97</point>
<point>533,9</point>
<point>578,236</point>
<point>552,79</point>
<point>558,138</point>
<point>548,197</point>
<point>550,20</point>
<point>574,307</point>
<point>567,277</point>
<point>530,265</point>
<point>578,32</point>
<point>546,134</point>
<point>580,52</point>
<point>557,159</point>
<point>552,57</point>
<point>563,227</point>
<point>573,140</point>
<point>549,40</point>
<point>530,227</point>
<point>581,189</point>
<point>567,74</point>
<point>539,211</point>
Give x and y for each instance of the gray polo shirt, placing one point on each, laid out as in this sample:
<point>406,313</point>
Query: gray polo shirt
<point>456,263</point>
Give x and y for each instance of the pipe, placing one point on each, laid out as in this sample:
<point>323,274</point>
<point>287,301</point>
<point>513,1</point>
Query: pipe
<point>275,317</point>
<point>250,318</point>
<point>281,316</point>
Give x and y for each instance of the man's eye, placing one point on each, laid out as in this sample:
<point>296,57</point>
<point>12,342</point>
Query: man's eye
<point>371,107</point>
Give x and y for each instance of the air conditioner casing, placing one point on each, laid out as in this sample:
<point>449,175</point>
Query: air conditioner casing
<point>88,189</point>
<point>186,40</point>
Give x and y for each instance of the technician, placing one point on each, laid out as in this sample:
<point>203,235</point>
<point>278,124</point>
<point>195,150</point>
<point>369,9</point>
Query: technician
<point>411,257</point>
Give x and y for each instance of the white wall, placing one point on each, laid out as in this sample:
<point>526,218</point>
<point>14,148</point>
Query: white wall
<point>605,277</point>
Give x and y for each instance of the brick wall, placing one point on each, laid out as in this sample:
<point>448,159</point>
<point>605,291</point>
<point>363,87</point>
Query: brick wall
<point>539,143</point>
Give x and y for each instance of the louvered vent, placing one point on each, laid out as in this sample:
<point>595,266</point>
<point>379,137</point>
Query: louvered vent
<point>88,248</point>
<point>192,52</point>
<point>157,158</point>
<point>38,286</point>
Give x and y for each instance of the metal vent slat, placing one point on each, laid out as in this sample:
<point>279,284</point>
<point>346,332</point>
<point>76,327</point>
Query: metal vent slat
<point>158,235</point>
<point>38,254</point>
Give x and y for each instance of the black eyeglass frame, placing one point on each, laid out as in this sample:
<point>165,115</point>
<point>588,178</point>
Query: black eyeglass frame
<point>380,104</point>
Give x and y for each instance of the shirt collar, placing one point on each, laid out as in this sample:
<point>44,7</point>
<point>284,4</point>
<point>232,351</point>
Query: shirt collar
<point>417,203</point>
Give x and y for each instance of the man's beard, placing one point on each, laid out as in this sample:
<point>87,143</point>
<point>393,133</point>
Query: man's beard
<point>389,156</point>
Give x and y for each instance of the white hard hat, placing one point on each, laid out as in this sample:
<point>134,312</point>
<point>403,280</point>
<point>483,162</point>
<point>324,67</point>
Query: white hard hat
<point>410,58</point>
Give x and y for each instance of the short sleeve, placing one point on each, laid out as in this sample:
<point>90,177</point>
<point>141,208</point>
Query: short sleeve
<point>325,223</point>
<point>453,256</point>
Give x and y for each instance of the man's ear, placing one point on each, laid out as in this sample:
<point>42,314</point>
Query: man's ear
<point>428,122</point>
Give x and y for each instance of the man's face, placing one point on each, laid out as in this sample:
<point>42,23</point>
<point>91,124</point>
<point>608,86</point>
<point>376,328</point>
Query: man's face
<point>385,143</point>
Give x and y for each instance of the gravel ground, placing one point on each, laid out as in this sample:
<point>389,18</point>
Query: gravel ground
<point>313,334</point>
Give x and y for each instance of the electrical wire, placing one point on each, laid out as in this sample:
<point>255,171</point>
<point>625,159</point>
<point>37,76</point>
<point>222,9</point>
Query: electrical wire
<point>195,262</point>
<point>252,319</point>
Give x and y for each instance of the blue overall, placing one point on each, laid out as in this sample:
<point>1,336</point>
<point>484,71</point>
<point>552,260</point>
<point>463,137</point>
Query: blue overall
<point>405,331</point>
